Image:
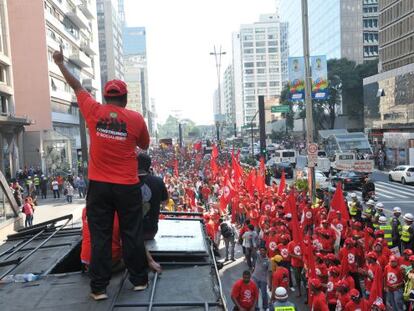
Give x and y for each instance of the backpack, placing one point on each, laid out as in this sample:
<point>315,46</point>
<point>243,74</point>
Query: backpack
<point>146,195</point>
<point>226,231</point>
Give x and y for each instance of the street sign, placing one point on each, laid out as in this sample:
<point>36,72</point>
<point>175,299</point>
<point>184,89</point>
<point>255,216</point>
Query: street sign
<point>280,108</point>
<point>312,154</point>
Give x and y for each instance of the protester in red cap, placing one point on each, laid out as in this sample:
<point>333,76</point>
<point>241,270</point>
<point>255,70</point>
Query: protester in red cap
<point>378,305</point>
<point>333,279</point>
<point>394,284</point>
<point>373,275</point>
<point>357,302</point>
<point>115,133</point>
<point>296,261</point>
<point>404,260</point>
<point>318,296</point>
<point>343,295</point>
<point>382,256</point>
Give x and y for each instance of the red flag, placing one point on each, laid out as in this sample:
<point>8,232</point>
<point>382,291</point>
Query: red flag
<point>213,166</point>
<point>338,203</point>
<point>237,170</point>
<point>214,152</point>
<point>197,146</point>
<point>176,168</point>
<point>282,184</point>
<point>251,182</point>
<point>296,228</point>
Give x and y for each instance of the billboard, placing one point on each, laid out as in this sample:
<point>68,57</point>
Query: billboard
<point>296,67</point>
<point>319,77</point>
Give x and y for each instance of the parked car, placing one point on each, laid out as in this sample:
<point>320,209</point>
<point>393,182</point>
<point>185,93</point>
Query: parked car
<point>278,168</point>
<point>320,179</point>
<point>402,173</point>
<point>349,179</point>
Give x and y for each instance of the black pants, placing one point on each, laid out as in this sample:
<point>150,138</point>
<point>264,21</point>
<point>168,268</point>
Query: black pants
<point>103,199</point>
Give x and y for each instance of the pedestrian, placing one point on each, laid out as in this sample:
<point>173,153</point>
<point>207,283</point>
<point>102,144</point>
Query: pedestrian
<point>250,243</point>
<point>28,210</point>
<point>81,185</point>
<point>357,302</point>
<point>280,276</point>
<point>396,227</point>
<point>68,191</point>
<point>244,293</point>
<point>36,183</point>
<point>260,275</point>
<point>55,189</point>
<point>281,301</point>
<point>228,232</point>
<point>394,284</point>
<point>115,133</point>
<point>43,186</point>
<point>407,232</point>
<point>318,296</point>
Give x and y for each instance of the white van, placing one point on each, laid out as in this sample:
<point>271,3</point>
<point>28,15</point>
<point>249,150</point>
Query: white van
<point>285,156</point>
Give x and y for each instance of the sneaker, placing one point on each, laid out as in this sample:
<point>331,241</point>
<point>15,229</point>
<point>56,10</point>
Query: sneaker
<point>141,287</point>
<point>98,296</point>
<point>292,289</point>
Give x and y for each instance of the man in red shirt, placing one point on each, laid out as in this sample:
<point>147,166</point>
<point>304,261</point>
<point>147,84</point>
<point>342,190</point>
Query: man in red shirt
<point>394,284</point>
<point>296,261</point>
<point>318,296</point>
<point>357,302</point>
<point>115,133</point>
<point>244,293</point>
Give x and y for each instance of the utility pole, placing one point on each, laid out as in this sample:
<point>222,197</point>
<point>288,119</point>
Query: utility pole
<point>180,134</point>
<point>251,127</point>
<point>217,57</point>
<point>308,93</point>
<point>262,126</point>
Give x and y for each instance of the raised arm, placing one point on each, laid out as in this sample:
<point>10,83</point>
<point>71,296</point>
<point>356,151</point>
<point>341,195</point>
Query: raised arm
<point>69,77</point>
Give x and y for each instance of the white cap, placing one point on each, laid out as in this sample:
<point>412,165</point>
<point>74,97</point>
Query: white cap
<point>281,293</point>
<point>382,220</point>
<point>396,210</point>
<point>379,205</point>
<point>353,195</point>
<point>409,217</point>
<point>370,202</point>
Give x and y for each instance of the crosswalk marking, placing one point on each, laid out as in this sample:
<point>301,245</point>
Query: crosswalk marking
<point>395,185</point>
<point>394,193</point>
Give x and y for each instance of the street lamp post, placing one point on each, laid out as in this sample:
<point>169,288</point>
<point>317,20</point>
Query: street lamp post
<point>251,127</point>
<point>217,57</point>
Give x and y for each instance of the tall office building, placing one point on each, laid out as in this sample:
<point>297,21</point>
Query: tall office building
<point>396,33</point>
<point>110,40</point>
<point>335,28</point>
<point>370,28</point>
<point>135,62</point>
<point>11,126</point>
<point>37,28</point>
<point>257,56</point>
<point>229,110</point>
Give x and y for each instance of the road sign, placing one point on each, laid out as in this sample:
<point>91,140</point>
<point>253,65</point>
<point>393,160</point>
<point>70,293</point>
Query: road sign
<point>280,108</point>
<point>312,149</point>
<point>312,154</point>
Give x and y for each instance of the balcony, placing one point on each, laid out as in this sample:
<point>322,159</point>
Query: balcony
<point>80,59</point>
<point>91,84</point>
<point>76,16</point>
<point>87,9</point>
<point>87,48</point>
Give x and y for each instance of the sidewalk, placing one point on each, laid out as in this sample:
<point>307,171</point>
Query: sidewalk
<point>52,208</point>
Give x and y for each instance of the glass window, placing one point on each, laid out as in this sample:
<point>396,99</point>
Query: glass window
<point>260,64</point>
<point>262,84</point>
<point>260,37</point>
<point>249,84</point>
<point>260,30</point>
<point>248,51</point>
<point>249,71</point>
<point>261,70</point>
<point>247,44</point>
<point>272,50</point>
<point>261,51</point>
<point>272,43</point>
<point>261,43</point>
<point>248,37</point>
<point>248,65</point>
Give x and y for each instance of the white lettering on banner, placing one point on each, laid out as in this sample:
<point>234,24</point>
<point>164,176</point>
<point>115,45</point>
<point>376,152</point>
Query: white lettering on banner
<point>358,166</point>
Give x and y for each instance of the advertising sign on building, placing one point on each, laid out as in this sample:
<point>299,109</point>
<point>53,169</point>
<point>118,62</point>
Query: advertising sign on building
<point>296,67</point>
<point>319,77</point>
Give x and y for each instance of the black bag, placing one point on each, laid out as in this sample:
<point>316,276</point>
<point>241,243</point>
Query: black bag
<point>226,231</point>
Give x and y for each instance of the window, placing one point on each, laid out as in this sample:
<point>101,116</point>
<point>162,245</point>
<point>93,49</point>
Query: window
<point>4,105</point>
<point>248,65</point>
<point>261,51</point>
<point>249,71</point>
<point>261,70</point>
<point>248,37</point>
<point>260,37</point>
<point>272,50</point>
<point>249,84</point>
<point>272,43</point>
<point>260,43</point>
<point>274,83</point>
<point>3,74</point>
<point>248,51</point>
<point>260,64</point>
<point>261,84</point>
<point>247,44</point>
<point>260,30</point>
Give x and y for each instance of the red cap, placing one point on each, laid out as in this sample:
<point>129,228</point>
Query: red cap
<point>379,232</point>
<point>334,269</point>
<point>357,224</point>
<point>369,230</point>
<point>349,241</point>
<point>115,88</point>
<point>411,258</point>
<point>372,255</point>
<point>408,252</point>
<point>354,293</point>
<point>331,257</point>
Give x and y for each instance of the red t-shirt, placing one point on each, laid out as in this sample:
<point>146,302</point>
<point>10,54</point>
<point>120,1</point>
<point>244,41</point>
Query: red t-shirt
<point>271,245</point>
<point>114,133</point>
<point>361,306</point>
<point>284,252</point>
<point>245,294</point>
<point>393,276</point>
<point>295,249</point>
<point>319,302</point>
<point>342,301</point>
<point>280,277</point>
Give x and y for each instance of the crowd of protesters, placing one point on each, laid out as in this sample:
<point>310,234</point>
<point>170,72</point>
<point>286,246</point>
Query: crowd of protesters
<point>336,255</point>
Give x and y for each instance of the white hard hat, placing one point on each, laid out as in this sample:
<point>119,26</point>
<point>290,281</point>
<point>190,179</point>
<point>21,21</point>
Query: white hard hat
<point>371,202</point>
<point>281,293</point>
<point>396,210</point>
<point>353,195</point>
<point>409,217</point>
<point>382,220</point>
<point>379,205</point>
